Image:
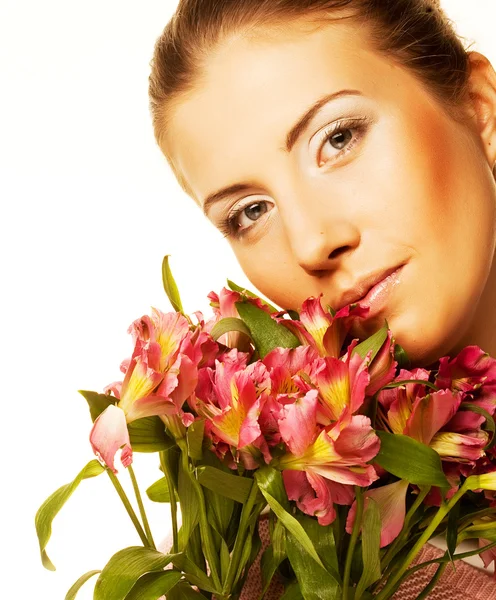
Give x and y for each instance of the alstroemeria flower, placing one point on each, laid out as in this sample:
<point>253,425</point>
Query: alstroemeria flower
<point>391,500</point>
<point>488,556</point>
<point>318,328</point>
<point>472,371</point>
<point>231,397</point>
<point>341,383</point>
<point>158,378</point>
<point>332,459</point>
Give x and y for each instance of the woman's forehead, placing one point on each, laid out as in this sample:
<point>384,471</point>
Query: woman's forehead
<point>251,94</point>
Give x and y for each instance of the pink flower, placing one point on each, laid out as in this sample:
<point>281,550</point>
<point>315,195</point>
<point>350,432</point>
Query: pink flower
<point>231,397</point>
<point>472,371</point>
<point>159,377</point>
<point>341,383</point>
<point>391,500</point>
<point>332,459</point>
<point>383,368</point>
<point>489,556</point>
<point>320,329</point>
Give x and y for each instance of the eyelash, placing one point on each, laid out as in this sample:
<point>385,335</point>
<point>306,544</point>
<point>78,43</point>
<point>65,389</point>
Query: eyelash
<point>228,226</point>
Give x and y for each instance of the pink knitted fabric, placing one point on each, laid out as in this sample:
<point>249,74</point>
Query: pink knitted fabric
<point>466,582</point>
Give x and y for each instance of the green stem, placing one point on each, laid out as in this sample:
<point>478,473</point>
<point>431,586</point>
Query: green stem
<point>398,542</point>
<point>141,507</point>
<point>206,537</point>
<point>353,540</point>
<point>128,507</point>
<point>424,538</point>
<point>173,503</point>
<point>240,540</point>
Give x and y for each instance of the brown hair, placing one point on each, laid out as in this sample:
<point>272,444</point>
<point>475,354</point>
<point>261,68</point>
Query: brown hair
<point>415,33</point>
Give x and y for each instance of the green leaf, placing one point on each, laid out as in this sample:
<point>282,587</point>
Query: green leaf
<point>159,491</point>
<point>189,507</point>
<point>373,343</point>
<point>194,437</point>
<point>452,530</point>
<point>230,486</point>
<point>273,556</point>
<point>288,520</point>
<point>71,594</point>
<point>183,591</point>
<point>49,509</point>
<point>322,537</point>
<point>225,560</point>
<point>371,540</point>
<point>408,459</point>
<point>401,357</point>
<point>192,572</point>
<point>270,480</point>
<point>292,592</point>
<point>146,435</point>
<point>315,582</point>
<point>153,585</point>
<point>229,324</point>
<point>245,292</point>
<point>265,332</point>
<point>170,286</point>
<point>125,568</point>
<point>97,402</point>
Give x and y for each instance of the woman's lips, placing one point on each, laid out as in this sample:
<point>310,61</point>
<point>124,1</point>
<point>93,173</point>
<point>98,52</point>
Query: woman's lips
<point>377,297</point>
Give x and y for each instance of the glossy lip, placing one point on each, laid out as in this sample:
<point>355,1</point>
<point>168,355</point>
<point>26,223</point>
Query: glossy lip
<point>372,291</point>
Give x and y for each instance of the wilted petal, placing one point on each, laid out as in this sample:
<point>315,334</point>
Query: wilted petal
<point>489,556</point>
<point>459,447</point>
<point>109,433</point>
<point>383,368</point>
<point>391,500</point>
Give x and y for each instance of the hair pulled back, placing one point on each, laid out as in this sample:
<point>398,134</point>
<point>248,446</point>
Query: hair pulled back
<point>415,33</point>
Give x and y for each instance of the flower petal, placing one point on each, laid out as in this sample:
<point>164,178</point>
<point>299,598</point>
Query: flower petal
<point>109,433</point>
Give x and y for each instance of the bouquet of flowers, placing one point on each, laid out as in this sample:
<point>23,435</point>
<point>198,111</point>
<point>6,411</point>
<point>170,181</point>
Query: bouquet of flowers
<point>355,459</point>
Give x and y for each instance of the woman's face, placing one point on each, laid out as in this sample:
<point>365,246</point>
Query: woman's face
<point>376,177</point>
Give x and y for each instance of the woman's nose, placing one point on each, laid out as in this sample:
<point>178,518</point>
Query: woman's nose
<point>319,241</point>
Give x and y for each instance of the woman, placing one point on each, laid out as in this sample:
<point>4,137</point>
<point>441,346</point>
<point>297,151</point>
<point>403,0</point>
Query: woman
<point>345,148</point>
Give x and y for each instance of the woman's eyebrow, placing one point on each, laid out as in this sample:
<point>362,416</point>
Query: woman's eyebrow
<point>304,121</point>
<point>291,138</point>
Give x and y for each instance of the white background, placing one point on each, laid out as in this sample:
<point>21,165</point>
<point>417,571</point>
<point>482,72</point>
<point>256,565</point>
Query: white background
<point>89,208</point>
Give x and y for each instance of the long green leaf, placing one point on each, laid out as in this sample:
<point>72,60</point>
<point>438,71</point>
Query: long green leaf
<point>189,507</point>
<point>194,437</point>
<point>273,556</point>
<point>170,286</point>
<point>292,592</point>
<point>265,332</point>
<point>159,491</point>
<point>410,460</point>
<point>183,591</point>
<point>153,585</point>
<point>125,568</point>
<point>192,572</point>
<point>291,525</point>
<point>315,582</point>
<point>49,509</point>
<point>227,325</point>
<point>146,435</point>
<point>71,594</point>
<point>371,539</point>
<point>230,486</point>
<point>373,343</point>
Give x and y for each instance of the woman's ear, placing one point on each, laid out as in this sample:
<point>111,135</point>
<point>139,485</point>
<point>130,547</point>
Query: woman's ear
<point>482,101</point>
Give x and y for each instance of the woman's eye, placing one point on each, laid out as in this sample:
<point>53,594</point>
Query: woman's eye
<point>341,137</point>
<point>243,218</point>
